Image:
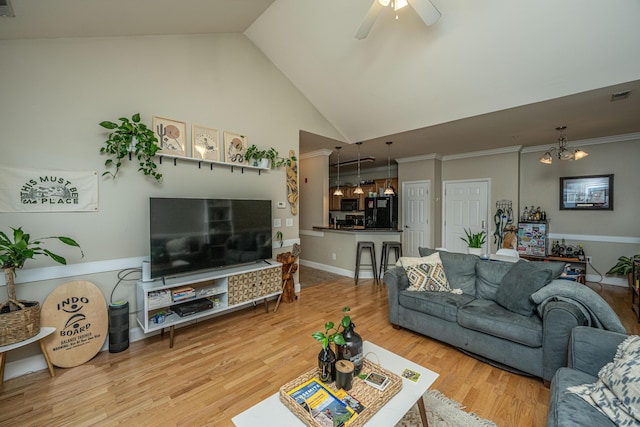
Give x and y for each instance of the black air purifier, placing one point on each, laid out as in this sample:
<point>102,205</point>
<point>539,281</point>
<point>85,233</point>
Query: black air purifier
<point>118,327</point>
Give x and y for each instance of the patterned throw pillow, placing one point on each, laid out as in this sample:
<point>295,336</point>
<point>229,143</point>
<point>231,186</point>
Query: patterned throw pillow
<point>428,275</point>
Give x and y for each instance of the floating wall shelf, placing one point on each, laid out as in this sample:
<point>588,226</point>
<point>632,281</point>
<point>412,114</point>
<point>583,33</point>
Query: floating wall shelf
<point>211,163</point>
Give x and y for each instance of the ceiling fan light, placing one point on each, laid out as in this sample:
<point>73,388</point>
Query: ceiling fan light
<point>579,154</point>
<point>384,3</point>
<point>399,4</point>
<point>546,159</point>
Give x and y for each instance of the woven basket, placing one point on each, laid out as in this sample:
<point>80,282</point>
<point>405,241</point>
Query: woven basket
<point>19,325</point>
<point>371,398</point>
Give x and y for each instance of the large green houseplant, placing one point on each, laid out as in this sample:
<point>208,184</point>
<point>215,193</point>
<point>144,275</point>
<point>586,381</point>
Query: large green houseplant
<point>14,252</point>
<point>624,267</point>
<point>253,155</point>
<point>474,241</point>
<point>131,136</point>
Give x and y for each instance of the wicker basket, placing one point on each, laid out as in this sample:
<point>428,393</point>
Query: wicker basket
<point>371,398</point>
<point>19,325</point>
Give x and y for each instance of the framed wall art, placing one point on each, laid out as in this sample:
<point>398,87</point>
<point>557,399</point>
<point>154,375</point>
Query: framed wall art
<point>172,136</point>
<point>205,143</point>
<point>235,145</point>
<point>592,192</point>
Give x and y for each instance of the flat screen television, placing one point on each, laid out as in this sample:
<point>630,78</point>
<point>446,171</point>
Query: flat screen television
<point>189,235</point>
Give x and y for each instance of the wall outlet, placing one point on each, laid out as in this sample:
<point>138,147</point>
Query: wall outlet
<point>333,257</point>
<point>588,259</point>
<point>289,222</point>
<point>277,222</point>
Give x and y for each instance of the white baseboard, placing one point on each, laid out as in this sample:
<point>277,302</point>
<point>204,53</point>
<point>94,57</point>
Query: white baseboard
<point>607,280</point>
<point>336,270</point>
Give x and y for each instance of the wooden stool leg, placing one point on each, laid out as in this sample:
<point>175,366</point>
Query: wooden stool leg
<point>171,333</point>
<point>46,359</point>
<point>3,357</point>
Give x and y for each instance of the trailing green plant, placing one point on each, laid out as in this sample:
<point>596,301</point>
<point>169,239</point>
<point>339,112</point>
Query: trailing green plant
<point>474,240</point>
<point>14,253</point>
<point>279,237</point>
<point>624,266</point>
<point>335,336</point>
<point>119,145</point>
<point>271,153</point>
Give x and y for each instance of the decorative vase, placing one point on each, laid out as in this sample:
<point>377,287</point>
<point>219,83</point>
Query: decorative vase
<point>327,365</point>
<point>263,163</point>
<point>352,350</point>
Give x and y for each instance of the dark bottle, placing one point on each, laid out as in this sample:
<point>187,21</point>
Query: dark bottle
<point>580,253</point>
<point>327,365</point>
<point>555,249</point>
<point>352,350</point>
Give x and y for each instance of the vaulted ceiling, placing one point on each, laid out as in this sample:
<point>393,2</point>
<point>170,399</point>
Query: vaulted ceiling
<point>488,74</point>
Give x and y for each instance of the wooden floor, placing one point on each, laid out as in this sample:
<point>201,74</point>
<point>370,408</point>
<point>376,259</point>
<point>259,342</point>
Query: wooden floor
<point>220,367</point>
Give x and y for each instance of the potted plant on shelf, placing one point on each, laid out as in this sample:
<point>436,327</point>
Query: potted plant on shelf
<point>131,136</point>
<point>267,158</point>
<point>22,318</point>
<point>474,241</point>
<point>624,267</point>
<point>326,357</point>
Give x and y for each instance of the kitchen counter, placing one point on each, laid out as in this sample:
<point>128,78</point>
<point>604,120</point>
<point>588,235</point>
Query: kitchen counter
<point>357,229</point>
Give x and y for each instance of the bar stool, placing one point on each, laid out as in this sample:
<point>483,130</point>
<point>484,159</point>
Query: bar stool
<point>384,257</point>
<point>372,251</point>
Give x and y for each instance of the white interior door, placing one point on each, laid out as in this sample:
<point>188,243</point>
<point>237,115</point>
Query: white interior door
<point>465,206</point>
<point>415,216</point>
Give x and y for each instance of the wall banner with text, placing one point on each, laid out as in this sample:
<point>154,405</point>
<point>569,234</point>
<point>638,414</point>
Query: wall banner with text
<point>41,190</point>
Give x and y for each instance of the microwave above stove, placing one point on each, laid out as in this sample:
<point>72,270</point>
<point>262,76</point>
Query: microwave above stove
<point>349,204</point>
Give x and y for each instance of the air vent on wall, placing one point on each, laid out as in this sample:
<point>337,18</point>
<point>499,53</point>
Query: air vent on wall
<point>6,9</point>
<point>619,96</point>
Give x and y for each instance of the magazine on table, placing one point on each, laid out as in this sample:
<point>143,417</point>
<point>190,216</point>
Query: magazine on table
<point>351,401</point>
<point>323,404</point>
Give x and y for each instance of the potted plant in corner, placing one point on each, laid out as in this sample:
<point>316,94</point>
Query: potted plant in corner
<point>624,267</point>
<point>474,241</point>
<point>20,320</point>
<point>131,136</point>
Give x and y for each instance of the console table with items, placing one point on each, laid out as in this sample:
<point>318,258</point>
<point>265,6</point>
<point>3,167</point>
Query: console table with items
<point>635,287</point>
<point>577,266</point>
<point>196,296</point>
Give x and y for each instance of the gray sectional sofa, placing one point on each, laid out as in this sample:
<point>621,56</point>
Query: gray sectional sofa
<point>523,327</point>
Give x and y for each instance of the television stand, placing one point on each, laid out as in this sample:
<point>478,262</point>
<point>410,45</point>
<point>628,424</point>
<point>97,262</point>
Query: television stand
<point>227,289</point>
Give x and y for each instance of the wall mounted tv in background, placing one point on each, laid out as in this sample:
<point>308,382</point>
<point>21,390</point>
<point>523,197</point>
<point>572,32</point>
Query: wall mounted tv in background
<point>190,235</point>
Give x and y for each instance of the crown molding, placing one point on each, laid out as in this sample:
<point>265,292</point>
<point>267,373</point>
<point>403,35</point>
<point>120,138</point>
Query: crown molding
<point>317,153</point>
<point>492,152</point>
<point>586,142</point>
<point>419,158</point>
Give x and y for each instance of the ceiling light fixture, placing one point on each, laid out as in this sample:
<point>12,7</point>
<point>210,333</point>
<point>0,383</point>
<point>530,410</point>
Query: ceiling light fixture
<point>338,191</point>
<point>389,191</point>
<point>358,189</point>
<point>424,8</point>
<point>563,152</point>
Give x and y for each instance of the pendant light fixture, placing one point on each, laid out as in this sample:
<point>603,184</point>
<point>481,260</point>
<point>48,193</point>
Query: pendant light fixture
<point>563,152</point>
<point>389,191</point>
<point>338,191</point>
<point>358,189</point>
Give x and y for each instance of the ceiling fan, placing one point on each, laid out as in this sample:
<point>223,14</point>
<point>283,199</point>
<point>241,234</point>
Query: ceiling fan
<point>424,8</point>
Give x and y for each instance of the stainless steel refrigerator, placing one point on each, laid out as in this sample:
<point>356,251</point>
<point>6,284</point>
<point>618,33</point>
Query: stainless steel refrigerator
<point>381,212</point>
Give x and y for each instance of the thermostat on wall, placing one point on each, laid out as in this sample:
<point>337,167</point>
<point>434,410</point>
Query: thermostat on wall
<point>281,205</point>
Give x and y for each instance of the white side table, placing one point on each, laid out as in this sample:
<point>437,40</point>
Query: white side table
<point>44,332</point>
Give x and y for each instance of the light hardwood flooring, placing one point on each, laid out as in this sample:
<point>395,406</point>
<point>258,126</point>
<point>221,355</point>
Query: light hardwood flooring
<point>221,367</point>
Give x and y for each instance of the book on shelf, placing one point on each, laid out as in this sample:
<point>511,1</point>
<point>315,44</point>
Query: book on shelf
<point>326,408</point>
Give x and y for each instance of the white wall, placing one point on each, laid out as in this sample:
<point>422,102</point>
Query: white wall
<point>56,91</point>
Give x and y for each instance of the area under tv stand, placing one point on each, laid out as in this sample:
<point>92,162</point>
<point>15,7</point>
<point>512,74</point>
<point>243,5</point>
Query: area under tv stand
<point>225,290</point>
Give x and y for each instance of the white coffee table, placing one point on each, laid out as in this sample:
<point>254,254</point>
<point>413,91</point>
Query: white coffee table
<point>272,412</point>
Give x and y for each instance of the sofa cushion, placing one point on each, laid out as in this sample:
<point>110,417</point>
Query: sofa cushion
<point>443,305</point>
<point>492,319</point>
<point>518,284</point>
<point>459,268</point>
<point>555,267</point>
<point>568,409</point>
<point>489,274</point>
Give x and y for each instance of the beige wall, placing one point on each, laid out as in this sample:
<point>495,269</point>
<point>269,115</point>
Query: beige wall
<point>314,190</point>
<point>56,91</point>
<point>606,235</point>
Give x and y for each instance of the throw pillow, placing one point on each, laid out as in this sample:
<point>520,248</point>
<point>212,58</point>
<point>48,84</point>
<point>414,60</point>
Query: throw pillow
<point>427,277</point>
<point>617,390</point>
<point>518,284</point>
<point>407,261</point>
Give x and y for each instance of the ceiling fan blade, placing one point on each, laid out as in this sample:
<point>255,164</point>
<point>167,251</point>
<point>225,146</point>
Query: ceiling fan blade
<point>369,20</point>
<point>426,11</point>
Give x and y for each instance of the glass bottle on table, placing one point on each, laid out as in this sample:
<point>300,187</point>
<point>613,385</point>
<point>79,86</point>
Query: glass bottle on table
<point>580,252</point>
